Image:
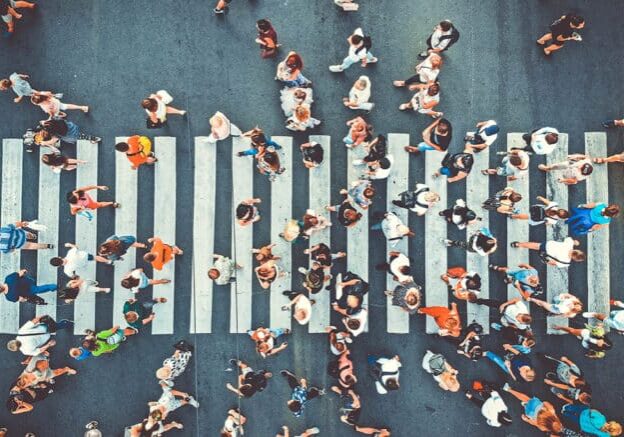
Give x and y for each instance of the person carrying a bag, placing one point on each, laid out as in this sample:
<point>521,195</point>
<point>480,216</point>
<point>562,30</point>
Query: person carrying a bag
<point>34,337</point>
<point>386,372</point>
<point>157,107</point>
<point>21,287</point>
<point>555,253</point>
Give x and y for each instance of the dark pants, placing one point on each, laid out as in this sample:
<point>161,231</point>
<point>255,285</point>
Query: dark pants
<point>412,80</point>
<point>572,414</point>
<point>461,245</point>
<point>483,394</point>
<point>492,303</point>
<point>400,204</point>
<point>293,382</point>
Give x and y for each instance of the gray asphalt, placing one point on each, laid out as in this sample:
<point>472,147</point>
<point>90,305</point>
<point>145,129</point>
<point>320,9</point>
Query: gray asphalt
<point>111,54</point>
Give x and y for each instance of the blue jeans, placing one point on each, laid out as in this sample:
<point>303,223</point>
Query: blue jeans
<point>497,360</point>
<point>300,80</point>
<point>38,289</point>
<point>376,227</point>
<point>573,413</point>
<point>348,61</point>
<point>64,324</point>
<point>423,147</point>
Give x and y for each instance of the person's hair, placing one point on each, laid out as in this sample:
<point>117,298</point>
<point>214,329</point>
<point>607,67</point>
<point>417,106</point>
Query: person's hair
<point>263,24</point>
<point>294,406</point>
<point>350,380</point>
<point>392,384</point>
<point>369,192</point>
<point>294,61</point>
<point>446,25</point>
<point>122,147</point>
<point>73,198</point>
<point>156,415</point>
<point>57,261</point>
<point>515,160</point>
<point>384,163</point>
<point>302,112</point>
<point>5,84</point>
<point>529,342</point>
<point>579,382</point>
<point>436,59</point>
<point>489,244</point>
<point>109,247</point>
<point>356,39</point>
<point>585,398</point>
<point>53,159</point>
<point>548,420</point>
<point>149,257</point>
<point>434,89</point>
<point>246,390</point>
<point>473,284</point>
<point>131,316</point>
<point>270,158</point>
<point>241,210</point>
<point>130,282</point>
<point>405,270</point>
<point>612,210</point>
<point>13,345</point>
<point>352,215</point>
<point>587,169</point>
<point>263,346</point>
<point>451,323</point>
<point>68,293</point>
<point>562,213</point>
<point>576,20</point>
<point>525,318</point>
<point>258,138</point>
<point>444,126</point>
<point>74,352</point>
<point>551,138</point>
<point>412,299</point>
<point>504,418</point>
<point>39,98</point>
<point>578,256</point>
<point>12,402</point>
<point>309,221</point>
<point>353,324</point>
<point>150,104</point>
<point>515,197</point>
<point>89,344</point>
<point>613,428</point>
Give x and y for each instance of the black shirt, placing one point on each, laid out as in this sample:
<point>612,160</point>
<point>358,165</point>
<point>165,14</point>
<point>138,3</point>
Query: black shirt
<point>442,141</point>
<point>322,255</point>
<point>313,154</point>
<point>562,27</point>
<point>344,206</point>
<point>455,165</point>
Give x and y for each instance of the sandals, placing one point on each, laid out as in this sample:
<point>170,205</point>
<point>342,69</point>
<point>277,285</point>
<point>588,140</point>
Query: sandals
<point>514,244</point>
<point>404,107</point>
<point>116,205</point>
<point>485,173</point>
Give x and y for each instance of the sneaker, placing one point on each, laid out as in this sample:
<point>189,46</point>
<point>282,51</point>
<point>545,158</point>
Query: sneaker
<point>233,362</point>
<point>302,270</point>
<point>335,68</point>
<point>506,387</point>
<point>589,315</point>
<point>191,400</point>
<point>314,430</point>
<point>496,326</point>
<point>446,242</point>
<point>218,11</point>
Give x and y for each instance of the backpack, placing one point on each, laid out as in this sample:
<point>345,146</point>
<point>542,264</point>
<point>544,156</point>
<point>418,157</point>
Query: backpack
<point>537,213</point>
<point>580,222</point>
<point>437,364</point>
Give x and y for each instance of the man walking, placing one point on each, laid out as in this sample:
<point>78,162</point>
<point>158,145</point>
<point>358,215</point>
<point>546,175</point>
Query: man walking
<point>443,37</point>
<point>33,338</point>
<point>20,287</point>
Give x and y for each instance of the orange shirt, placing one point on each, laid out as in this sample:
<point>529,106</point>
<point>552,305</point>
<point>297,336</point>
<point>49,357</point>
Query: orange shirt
<point>140,148</point>
<point>163,252</point>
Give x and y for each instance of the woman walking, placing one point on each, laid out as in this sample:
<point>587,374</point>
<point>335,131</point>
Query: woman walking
<point>80,202</point>
<point>426,72</point>
<point>359,51</point>
<point>20,236</point>
<point>136,280</point>
<point>157,108</point>
<point>289,71</point>
<point>52,106</point>
<point>58,162</point>
<point>540,414</point>
<point>359,95</point>
<point>425,100</point>
<point>503,202</point>
<point>267,38</point>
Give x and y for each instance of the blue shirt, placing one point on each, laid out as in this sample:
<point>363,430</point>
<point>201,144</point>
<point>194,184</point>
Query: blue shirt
<point>11,238</point>
<point>591,422</point>
<point>596,214</point>
<point>18,286</point>
<point>522,275</point>
<point>299,394</point>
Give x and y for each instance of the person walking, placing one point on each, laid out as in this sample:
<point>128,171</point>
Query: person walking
<point>514,313</point>
<point>613,320</point>
<point>58,162</point>
<point>266,338</point>
<point>393,228</point>
<point>525,279</point>
<point>221,128</point>
<point>312,154</point>
<point>555,253</point>
<point>359,95</point>
<point>515,363</point>
<point>419,200</point>
<point>301,392</point>
<point>590,421</point>
<point>563,304</point>
<point>300,306</point>
<point>223,271</point>
<point>443,37</point>
<point>386,372</point>
<point>138,150</point>
<point>593,339</point>
<point>52,133</point>
<point>460,215</point>
<point>81,202</point>
<point>483,137</point>
<point>441,370</point>
<point>233,426</point>
<point>247,212</point>
<point>493,407</point>
<point>107,341</point>
<point>463,284</point>
<point>76,286</point>
<point>503,202</point>
<point>176,364</point>
<point>426,72</point>
<point>437,136</point>
<point>51,105</point>
<point>481,242</point>
<point>76,262</point>
<point>34,337</point>
<point>561,30</point>
<point>575,169</point>
<point>455,166</point>
<point>20,236</point>
<point>19,84</point>
<point>21,287</point>
<point>361,192</point>
<point>157,108</point>
<point>116,246</point>
<point>289,72</point>
<point>249,381</point>
<point>591,217</point>
<point>348,215</point>
<point>513,166</point>
<point>267,38</point>
<point>359,51</point>
<point>359,132</point>
<point>407,296</point>
<point>545,212</point>
<point>140,313</point>
<point>448,320</point>
<point>136,280</point>
<point>541,141</point>
<point>161,253</point>
<point>538,413</point>
<point>424,100</point>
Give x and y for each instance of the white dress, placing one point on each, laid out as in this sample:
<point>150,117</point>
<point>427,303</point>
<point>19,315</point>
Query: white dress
<point>289,102</point>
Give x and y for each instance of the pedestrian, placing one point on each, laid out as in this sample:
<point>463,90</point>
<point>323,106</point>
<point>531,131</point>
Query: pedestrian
<point>116,246</point>
<point>380,170</point>
<point>81,202</point>
<point>406,296</point>
<point>540,414</point>
<point>268,272</point>
<point>107,341</point>
<point>301,119</point>
<point>21,236</point>
<point>437,136</point>
<point>590,421</point>
<point>249,381</point>
<point>300,306</point>
<point>481,242</point>
<point>563,305</point>
<point>590,217</point>
<point>157,108</point>
<point>21,401</point>
<point>138,150</point>
<point>460,215</point>
<point>58,162</point>
<point>513,166</point>
<point>135,280</point>
<point>448,320</point>
<point>266,338</point>
<point>503,201</point>
<point>355,320</point>
<point>398,266</point>
<point>593,338</point>
<point>170,400</point>
<point>376,149</point>
<point>34,337</point>
<point>312,154</point>
<point>614,320</point>
<point>314,278</point>
<point>564,371</point>
<point>301,392</point>
<point>76,262</point>
<point>386,371</point>
<point>561,30</point>
<point>359,95</point>
<point>19,84</point>
<point>38,370</point>
<point>268,163</point>
<point>516,364</point>
<point>338,340</point>
<point>51,105</point>
<point>351,405</point>
<point>221,128</point>
<point>441,370</point>
<point>525,279</point>
<point>176,364</point>
<point>76,286</point>
<point>470,346</point>
<point>222,7</point>
<point>247,212</point>
<point>455,166</point>
<point>463,284</point>
<point>267,38</point>
<point>541,141</point>
<point>555,253</point>
<point>514,313</point>
<point>443,37</point>
<point>342,369</point>
<point>426,72</point>
<point>359,51</point>
<point>52,133</point>
<point>484,137</point>
<point>424,100</point>
<point>493,407</point>
<point>419,200</point>
<point>21,287</point>
<point>360,192</point>
<point>321,254</point>
<point>233,426</point>
<point>348,215</point>
<point>359,131</point>
<point>347,5</point>
<point>161,253</point>
<point>223,271</point>
<point>289,71</point>
<point>393,228</point>
<point>575,169</point>
<point>140,313</point>
<point>545,212</point>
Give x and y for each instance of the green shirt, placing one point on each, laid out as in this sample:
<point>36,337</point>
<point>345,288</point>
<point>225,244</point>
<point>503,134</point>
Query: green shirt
<point>140,310</point>
<point>102,345</point>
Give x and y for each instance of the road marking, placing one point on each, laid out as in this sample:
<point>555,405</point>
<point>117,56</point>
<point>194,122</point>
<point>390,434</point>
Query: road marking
<point>436,230</point>
<point>165,228</point>
<point>556,278</point>
<point>12,151</point>
<point>203,234</point>
<point>86,237</point>
<point>281,213</point>
<point>242,239</point>
<point>477,190</point>
<point>126,193</point>
<point>517,230</point>
<point>598,242</point>
<point>398,181</point>
<point>320,196</point>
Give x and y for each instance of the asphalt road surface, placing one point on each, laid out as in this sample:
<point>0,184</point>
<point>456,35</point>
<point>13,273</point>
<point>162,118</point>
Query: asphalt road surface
<point>111,54</point>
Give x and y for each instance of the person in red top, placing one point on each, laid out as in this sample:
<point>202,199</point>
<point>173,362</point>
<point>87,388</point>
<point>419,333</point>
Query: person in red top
<point>138,150</point>
<point>161,253</point>
<point>447,319</point>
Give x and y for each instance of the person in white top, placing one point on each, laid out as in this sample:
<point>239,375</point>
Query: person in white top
<point>493,407</point>
<point>486,134</point>
<point>514,313</point>
<point>443,37</point>
<point>76,261</point>
<point>427,98</point>
<point>399,267</point>
<point>563,304</point>
<point>233,426</point>
<point>513,166</point>
<point>359,95</point>
<point>380,169</point>
<point>356,322</point>
<point>359,46</point>
<point>34,337</point>
<point>300,305</point>
<point>386,372</point>
<point>157,107</point>
<point>221,128</point>
<point>555,253</point>
<point>575,169</point>
<point>546,212</point>
<point>426,72</point>
<point>418,201</point>
<point>541,141</point>
<point>441,370</point>
<point>393,228</point>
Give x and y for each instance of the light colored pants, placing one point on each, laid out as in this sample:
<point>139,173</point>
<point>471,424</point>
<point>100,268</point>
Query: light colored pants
<point>348,61</point>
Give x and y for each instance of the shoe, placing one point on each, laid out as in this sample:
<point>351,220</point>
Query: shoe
<point>446,242</point>
<point>506,387</point>
<point>302,270</point>
<point>218,11</point>
<point>184,346</point>
<point>116,205</point>
<point>589,315</point>
<point>496,326</point>
<point>50,246</point>
<point>608,124</point>
<point>95,140</point>
<point>335,68</point>
<point>233,362</point>
<point>526,138</point>
<point>314,430</point>
<point>191,400</point>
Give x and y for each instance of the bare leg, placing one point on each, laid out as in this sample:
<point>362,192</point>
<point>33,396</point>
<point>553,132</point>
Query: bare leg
<point>572,331</point>
<point>552,48</point>
<point>529,245</point>
<point>544,38</point>
<point>159,281</point>
<point>23,4</point>
<point>35,246</point>
<point>520,216</point>
<point>518,395</point>
<point>79,107</point>
<point>172,110</point>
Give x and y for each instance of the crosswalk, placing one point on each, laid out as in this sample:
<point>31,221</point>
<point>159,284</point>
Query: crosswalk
<point>204,292</point>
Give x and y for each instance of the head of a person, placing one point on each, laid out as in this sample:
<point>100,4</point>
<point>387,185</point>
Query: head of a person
<point>515,197</point>
<point>433,89</point>
<point>163,373</point>
<point>443,127</point>
<point>577,22</point>
<point>353,324</point>
<point>89,344</point>
<point>515,160</point>
<point>577,256</point>
<point>369,192</point>
<point>384,163</point>
<point>302,112</point>
<point>559,213</point>
<point>528,342</point>
<point>42,136</point>
<point>42,365</point>
<point>435,60</point>
<point>13,345</point>
<point>473,283</point>
<point>57,261</point>
<point>131,316</point>
<point>258,138</point>
<point>446,25</point>
<point>549,420</point>
<point>270,158</point>
<point>349,380</point>
<point>5,84</point>
<point>412,299</point>
<point>130,282</point>
<point>533,280</point>
<point>489,244</point>
<point>156,415</point>
<point>431,197</point>
<point>74,352</point>
<point>149,104</point>
<point>356,39</point>
<point>122,147</point>
<point>39,98</point>
<point>14,402</point>
<point>527,373</point>
<point>552,138</point>
<point>611,211</point>
<point>300,314</point>
<point>392,384</point>
<point>476,353</point>
<point>585,398</point>
<point>351,214</point>
<point>470,215</point>
<point>50,158</point>
<point>263,347</point>
<point>300,94</point>
<point>587,169</point>
<point>451,323</point>
<point>263,25</point>
<point>504,418</point>
<point>109,247</point>
<point>149,257</point>
<point>74,196</point>
<point>294,61</point>
<point>525,319</point>
<point>294,406</point>
<point>361,84</point>
<point>612,428</point>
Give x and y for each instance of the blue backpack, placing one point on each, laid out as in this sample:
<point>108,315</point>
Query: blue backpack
<point>580,222</point>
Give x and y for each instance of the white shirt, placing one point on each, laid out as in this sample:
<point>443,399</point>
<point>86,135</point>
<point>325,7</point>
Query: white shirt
<point>538,141</point>
<point>77,262</point>
<point>395,268</point>
<point>362,316</point>
<point>352,49</point>
<point>381,173</point>
<point>511,311</point>
<point>393,228</point>
<point>388,365</point>
<point>561,251</point>
<point>426,71</point>
<point>550,220</point>
<point>574,170</point>
<point>422,97</point>
<point>31,344</point>
<point>492,407</point>
<point>422,191</point>
<point>512,170</point>
<point>487,139</point>
<point>303,303</point>
<point>436,35</point>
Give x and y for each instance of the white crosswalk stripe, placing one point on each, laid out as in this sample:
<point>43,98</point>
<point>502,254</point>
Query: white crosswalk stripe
<point>280,205</point>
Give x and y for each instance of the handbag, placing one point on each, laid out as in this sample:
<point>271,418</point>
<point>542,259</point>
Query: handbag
<point>154,125</point>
